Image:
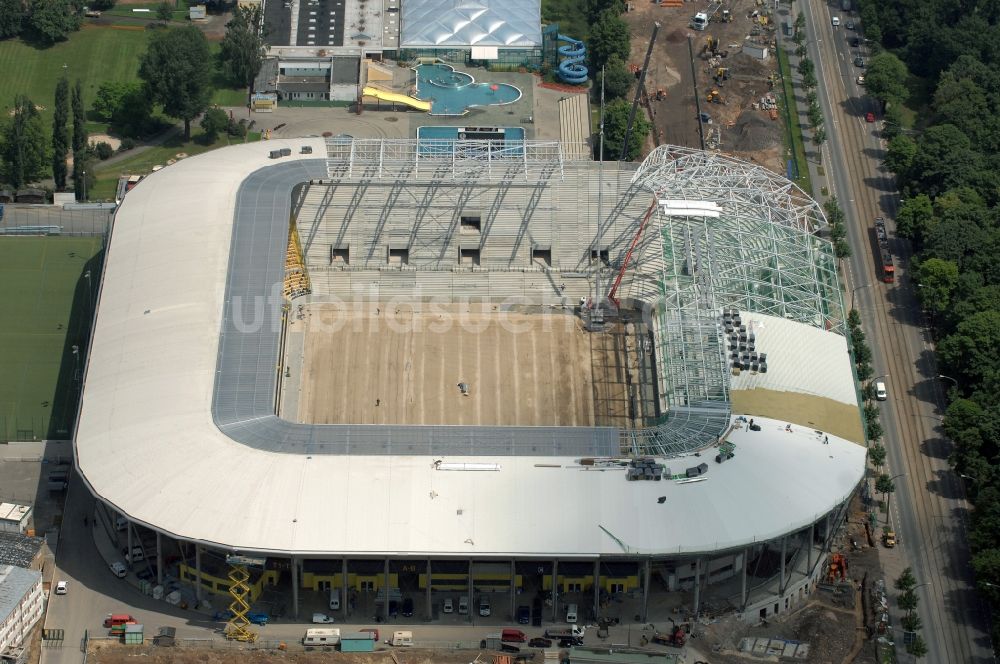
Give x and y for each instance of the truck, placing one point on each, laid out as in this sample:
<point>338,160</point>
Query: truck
<point>675,638</point>
<point>495,642</point>
<point>568,632</point>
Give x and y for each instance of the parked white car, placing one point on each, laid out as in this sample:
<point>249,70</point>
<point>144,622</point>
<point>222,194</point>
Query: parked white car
<point>448,607</point>
<point>322,619</point>
<point>61,588</point>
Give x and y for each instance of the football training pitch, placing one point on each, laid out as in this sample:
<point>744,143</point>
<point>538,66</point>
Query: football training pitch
<point>47,303</point>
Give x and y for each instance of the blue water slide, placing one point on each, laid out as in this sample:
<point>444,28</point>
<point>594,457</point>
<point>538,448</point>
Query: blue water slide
<point>571,69</point>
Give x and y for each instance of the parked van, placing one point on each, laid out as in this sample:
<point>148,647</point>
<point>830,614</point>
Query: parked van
<point>513,635</point>
<point>135,556</point>
<point>463,605</point>
<point>121,523</point>
<point>402,638</point>
<point>880,392</point>
<point>322,636</point>
<point>335,599</point>
<point>484,606</point>
<point>571,614</point>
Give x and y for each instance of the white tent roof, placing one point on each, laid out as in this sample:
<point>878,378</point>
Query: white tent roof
<point>465,23</point>
<point>147,444</point>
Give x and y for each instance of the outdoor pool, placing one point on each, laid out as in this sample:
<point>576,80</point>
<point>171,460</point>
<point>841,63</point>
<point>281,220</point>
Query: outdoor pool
<point>454,92</point>
<point>506,141</point>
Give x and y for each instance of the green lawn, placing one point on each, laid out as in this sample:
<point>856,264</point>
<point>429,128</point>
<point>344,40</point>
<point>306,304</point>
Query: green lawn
<point>143,162</point>
<point>95,54</point>
<point>794,140</point>
<point>46,309</point>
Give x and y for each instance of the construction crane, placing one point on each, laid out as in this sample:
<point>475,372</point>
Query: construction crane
<point>628,255</point>
<point>638,92</point>
<point>238,627</point>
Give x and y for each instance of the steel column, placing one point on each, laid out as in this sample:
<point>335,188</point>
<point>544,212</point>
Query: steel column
<point>295,587</point>
<point>647,574</point>
<point>470,590</point>
<point>781,582</point>
<point>597,588</point>
<point>697,586</point>
<point>743,590</point>
<point>385,585</point>
<point>513,590</point>
<point>346,599</point>
<point>197,572</point>
<point>430,606</point>
<point>555,591</point>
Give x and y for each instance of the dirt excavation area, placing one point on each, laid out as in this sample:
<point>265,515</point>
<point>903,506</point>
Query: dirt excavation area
<point>734,73</point>
<point>115,653</point>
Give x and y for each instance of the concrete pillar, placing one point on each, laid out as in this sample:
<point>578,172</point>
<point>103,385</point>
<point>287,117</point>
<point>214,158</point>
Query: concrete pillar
<point>809,549</point>
<point>781,581</point>
<point>128,543</point>
<point>159,554</point>
<point>430,605</point>
<point>295,587</point>
<point>826,528</point>
<point>197,572</point>
<point>513,590</point>
<point>597,588</point>
<point>743,589</point>
<point>647,573</point>
<point>385,584</point>
<point>344,590</point>
<point>469,590</point>
<point>697,586</point>
<point>555,591</point>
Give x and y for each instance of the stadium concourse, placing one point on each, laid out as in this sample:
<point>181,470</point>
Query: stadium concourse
<point>729,309</point>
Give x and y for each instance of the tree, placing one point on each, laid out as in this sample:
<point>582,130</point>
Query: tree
<point>165,12</point>
<point>243,49</point>
<point>886,487</point>
<point>917,647</point>
<point>608,37</point>
<point>615,120</point>
<point>886,78</point>
<point>176,73</point>
<point>854,318</point>
<point>597,7</point>
<point>800,21</point>
<point>79,118</point>
<point>617,79</point>
<point>914,218</point>
<point>806,67</point>
<point>968,353</point>
<point>214,122</point>
<point>125,105</point>
<point>11,18</point>
<point>876,454</point>
<point>819,137</point>
<point>911,622</point>
<point>905,581</point>
<point>900,154</point>
<point>873,430</point>
<point>52,20</point>
<point>24,144</point>
<point>815,116</point>
<point>937,279</point>
<point>60,133</point>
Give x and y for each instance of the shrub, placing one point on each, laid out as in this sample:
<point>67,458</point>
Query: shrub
<point>127,144</point>
<point>104,150</point>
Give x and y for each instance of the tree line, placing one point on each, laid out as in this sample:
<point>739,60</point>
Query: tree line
<point>942,59</point>
<point>174,74</point>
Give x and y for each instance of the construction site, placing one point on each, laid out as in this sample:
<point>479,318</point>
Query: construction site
<point>711,82</point>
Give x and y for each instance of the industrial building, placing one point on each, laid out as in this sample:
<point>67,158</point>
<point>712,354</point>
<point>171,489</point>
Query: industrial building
<point>712,435</point>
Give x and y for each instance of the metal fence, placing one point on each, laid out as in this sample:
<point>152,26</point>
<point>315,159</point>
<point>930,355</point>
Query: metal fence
<point>54,220</point>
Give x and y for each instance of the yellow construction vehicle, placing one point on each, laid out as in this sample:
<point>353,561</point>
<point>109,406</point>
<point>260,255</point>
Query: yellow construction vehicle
<point>238,627</point>
<point>713,97</point>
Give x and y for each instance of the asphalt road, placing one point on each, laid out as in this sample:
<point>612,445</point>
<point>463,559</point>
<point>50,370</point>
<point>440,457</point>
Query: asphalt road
<point>929,506</point>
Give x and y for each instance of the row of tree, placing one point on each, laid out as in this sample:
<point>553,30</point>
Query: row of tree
<point>174,73</point>
<point>944,60</point>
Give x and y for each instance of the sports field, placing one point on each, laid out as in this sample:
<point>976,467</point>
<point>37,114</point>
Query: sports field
<point>45,312</point>
<point>399,366</point>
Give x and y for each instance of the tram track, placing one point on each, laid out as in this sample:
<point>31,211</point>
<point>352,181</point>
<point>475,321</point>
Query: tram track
<point>928,505</point>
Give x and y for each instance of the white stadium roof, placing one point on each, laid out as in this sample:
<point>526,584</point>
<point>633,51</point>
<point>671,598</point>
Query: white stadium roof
<point>149,445</point>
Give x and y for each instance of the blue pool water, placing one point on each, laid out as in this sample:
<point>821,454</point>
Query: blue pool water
<point>440,140</point>
<point>454,92</point>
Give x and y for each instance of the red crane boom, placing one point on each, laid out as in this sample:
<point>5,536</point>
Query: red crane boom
<point>628,254</point>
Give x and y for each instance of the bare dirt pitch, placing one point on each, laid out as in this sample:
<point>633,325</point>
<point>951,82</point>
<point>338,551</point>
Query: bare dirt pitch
<point>395,364</point>
<point>101,652</point>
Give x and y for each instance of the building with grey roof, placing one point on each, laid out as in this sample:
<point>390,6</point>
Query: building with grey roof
<point>20,550</point>
<point>21,604</point>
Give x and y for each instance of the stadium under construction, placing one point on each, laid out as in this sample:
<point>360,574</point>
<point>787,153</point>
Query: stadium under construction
<point>459,368</point>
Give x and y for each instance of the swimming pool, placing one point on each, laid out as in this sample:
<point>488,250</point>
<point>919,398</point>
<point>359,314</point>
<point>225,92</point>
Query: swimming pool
<point>441,140</point>
<point>455,92</point>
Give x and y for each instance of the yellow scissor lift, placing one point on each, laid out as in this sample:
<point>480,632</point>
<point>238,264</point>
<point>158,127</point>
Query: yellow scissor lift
<point>238,627</point>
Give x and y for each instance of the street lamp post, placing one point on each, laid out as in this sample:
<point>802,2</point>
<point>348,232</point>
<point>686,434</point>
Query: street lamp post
<point>76,364</point>
<point>943,377</point>
<point>855,290</point>
<point>84,185</point>
<point>888,495</point>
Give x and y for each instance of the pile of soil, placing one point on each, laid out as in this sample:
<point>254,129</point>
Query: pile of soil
<point>676,35</point>
<point>753,131</point>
